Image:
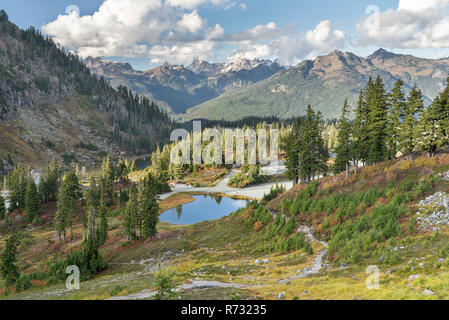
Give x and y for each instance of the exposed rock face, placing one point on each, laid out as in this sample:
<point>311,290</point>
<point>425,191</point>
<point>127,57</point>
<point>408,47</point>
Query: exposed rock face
<point>434,211</point>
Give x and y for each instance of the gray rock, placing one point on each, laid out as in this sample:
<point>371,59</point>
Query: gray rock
<point>427,292</point>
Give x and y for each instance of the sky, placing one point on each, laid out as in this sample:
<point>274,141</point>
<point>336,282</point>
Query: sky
<point>147,33</point>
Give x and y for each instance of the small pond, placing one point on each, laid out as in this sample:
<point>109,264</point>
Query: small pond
<point>204,208</point>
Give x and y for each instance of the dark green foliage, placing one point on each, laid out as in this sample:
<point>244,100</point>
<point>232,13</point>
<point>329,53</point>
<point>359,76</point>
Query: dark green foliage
<point>274,193</point>
<point>31,202</point>
<point>2,208</point>
<point>407,141</point>
<point>8,268</point>
<point>68,193</point>
<point>261,214</point>
<point>150,207</point>
<point>307,154</point>
<point>343,150</point>
<point>49,183</point>
<point>88,260</point>
<point>17,185</point>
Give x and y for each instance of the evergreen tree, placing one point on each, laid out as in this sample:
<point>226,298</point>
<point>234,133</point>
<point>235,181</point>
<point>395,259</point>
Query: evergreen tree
<point>377,122</point>
<point>397,108</point>
<point>9,271</point>
<point>407,132</point>
<point>17,184</point>
<point>72,185</point>
<point>49,184</point>
<point>93,205</point>
<point>31,201</point>
<point>103,226</point>
<point>122,171</point>
<point>66,207</point>
<point>291,145</point>
<point>150,212</point>
<point>428,135</point>
<point>2,208</point>
<point>343,150</point>
<point>131,213</point>
<point>107,182</point>
<point>313,154</point>
<point>359,135</point>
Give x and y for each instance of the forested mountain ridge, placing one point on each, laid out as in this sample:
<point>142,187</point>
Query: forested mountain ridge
<point>177,87</point>
<point>52,107</point>
<point>325,83</point>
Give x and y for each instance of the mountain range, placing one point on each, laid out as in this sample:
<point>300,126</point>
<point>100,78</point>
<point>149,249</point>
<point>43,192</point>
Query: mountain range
<point>177,87</point>
<point>325,83</point>
<point>245,88</point>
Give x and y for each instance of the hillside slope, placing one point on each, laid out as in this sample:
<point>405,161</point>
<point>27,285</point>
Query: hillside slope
<point>324,83</point>
<point>52,107</point>
<point>389,215</point>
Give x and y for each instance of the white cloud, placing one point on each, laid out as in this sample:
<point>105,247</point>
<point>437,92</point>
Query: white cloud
<point>252,51</point>
<point>292,49</point>
<point>420,5</point>
<point>190,4</point>
<point>191,22</point>
<point>258,33</point>
<point>174,31</point>
<point>187,52</point>
<point>414,24</point>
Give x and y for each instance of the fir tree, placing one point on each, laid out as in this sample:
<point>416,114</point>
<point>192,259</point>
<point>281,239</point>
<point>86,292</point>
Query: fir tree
<point>49,184</point>
<point>66,207</point>
<point>2,208</point>
<point>150,212</point>
<point>343,149</point>
<point>291,145</point>
<point>359,135</point>
<point>9,271</point>
<point>31,202</point>
<point>131,213</point>
<point>17,184</point>
<point>103,226</point>
<point>397,108</point>
<point>407,135</point>
<point>107,182</point>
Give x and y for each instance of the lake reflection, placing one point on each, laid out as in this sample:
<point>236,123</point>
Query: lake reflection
<point>204,208</point>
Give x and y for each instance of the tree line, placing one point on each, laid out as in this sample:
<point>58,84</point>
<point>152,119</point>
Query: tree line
<point>386,125</point>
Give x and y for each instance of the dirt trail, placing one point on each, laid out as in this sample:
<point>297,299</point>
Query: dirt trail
<point>318,262</point>
<point>196,284</point>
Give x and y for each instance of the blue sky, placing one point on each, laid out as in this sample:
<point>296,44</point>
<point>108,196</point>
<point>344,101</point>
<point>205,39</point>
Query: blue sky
<point>149,32</point>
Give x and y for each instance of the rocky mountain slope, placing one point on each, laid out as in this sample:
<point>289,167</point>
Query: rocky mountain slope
<point>177,87</point>
<point>51,107</point>
<point>324,83</point>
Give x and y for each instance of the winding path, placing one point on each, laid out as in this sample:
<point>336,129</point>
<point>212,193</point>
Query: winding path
<point>196,284</point>
<point>255,192</point>
<point>318,262</point>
